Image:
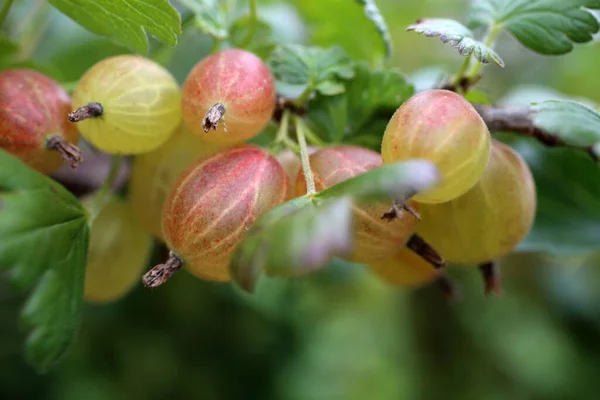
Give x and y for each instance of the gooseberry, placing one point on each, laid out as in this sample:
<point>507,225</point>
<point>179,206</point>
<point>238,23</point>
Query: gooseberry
<point>489,220</point>
<point>119,251</point>
<point>373,238</point>
<point>33,121</point>
<point>443,127</point>
<point>211,206</point>
<point>405,268</point>
<point>127,104</point>
<point>154,173</point>
<point>228,97</point>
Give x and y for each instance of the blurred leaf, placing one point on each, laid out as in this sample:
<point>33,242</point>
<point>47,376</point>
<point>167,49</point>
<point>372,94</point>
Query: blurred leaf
<point>367,93</point>
<point>568,199</point>
<point>476,96</point>
<point>293,239</point>
<point>262,42</point>
<point>310,69</point>
<point>576,124</point>
<point>544,26</point>
<point>7,47</point>
<point>44,236</point>
<point>400,180</point>
<point>342,23</point>
<point>210,16</point>
<point>374,15</point>
<point>458,36</point>
<point>428,78</point>
<point>124,21</point>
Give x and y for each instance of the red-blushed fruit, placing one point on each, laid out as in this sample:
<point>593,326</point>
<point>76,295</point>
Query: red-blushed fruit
<point>215,201</point>
<point>33,120</point>
<point>406,268</point>
<point>489,220</point>
<point>154,173</point>
<point>443,127</point>
<point>242,84</point>
<point>373,238</point>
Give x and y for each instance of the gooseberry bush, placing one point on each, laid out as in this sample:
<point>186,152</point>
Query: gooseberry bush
<point>273,157</point>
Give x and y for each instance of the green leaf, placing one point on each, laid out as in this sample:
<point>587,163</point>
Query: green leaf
<point>126,21</point>
<point>293,239</point>
<point>209,16</point>
<point>574,123</point>
<point>309,69</point>
<point>567,219</point>
<point>400,180</point>
<point>458,36</point>
<point>369,92</point>
<point>374,15</point>
<point>545,26</point>
<point>262,43</point>
<point>44,234</point>
<point>342,23</point>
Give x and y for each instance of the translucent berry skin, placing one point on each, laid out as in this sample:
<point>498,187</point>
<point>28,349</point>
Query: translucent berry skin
<point>153,175</point>
<point>440,126</point>
<point>215,201</point>
<point>141,104</point>
<point>489,220</point>
<point>406,269</point>
<point>241,82</point>
<point>374,239</point>
<point>33,108</point>
<point>119,252</point>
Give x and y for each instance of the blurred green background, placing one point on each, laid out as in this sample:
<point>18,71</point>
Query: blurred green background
<point>342,334</point>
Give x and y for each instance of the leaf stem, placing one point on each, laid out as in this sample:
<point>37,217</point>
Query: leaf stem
<point>299,102</point>
<point>101,194</point>
<point>311,136</point>
<point>252,27</point>
<point>461,71</point>
<point>489,41</point>
<point>4,11</point>
<point>308,175</point>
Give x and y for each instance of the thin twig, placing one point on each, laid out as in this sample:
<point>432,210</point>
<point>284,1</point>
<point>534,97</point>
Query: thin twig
<point>518,120</point>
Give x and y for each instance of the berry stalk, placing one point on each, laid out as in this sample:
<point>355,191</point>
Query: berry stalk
<point>91,110</point>
<point>417,244</point>
<point>308,175</point>
<point>70,153</point>
<point>491,277</point>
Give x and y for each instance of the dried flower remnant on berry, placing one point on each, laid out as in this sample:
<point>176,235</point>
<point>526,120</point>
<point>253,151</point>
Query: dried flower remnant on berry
<point>213,116</point>
<point>91,110</point>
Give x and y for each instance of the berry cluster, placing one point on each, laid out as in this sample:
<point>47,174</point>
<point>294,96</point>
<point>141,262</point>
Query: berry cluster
<point>198,185</point>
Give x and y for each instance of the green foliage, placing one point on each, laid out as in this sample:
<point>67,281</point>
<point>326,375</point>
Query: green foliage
<point>567,219</point>
<point>393,181</point>
<point>303,234</point>
<point>544,26</point>
<point>300,70</point>
<point>574,123</point>
<point>374,15</point>
<point>126,21</point>
<point>295,238</point>
<point>355,112</point>
<point>209,16</point>
<point>458,36</point>
<point>45,233</point>
<point>348,24</point>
